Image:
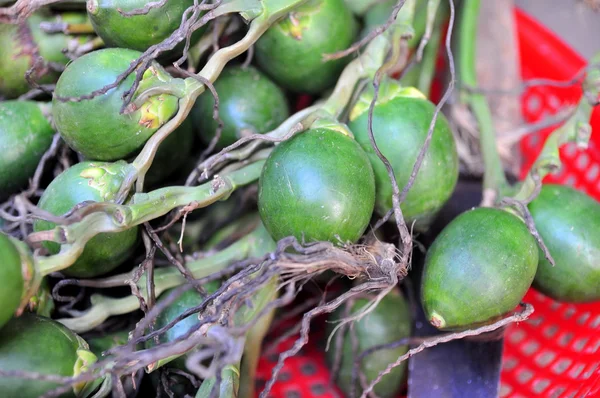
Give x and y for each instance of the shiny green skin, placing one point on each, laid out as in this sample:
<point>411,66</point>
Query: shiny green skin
<point>21,44</point>
<point>569,223</point>
<point>95,128</point>
<point>388,322</point>
<point>249,103</point>
<point>293,54</point>
<point>138,32</point>
<point>317,186</point>
<point>190,298</point>
<point>400,128</point>
<point>98,345</point>
<point>478,268</point>
<point>105,251</point>
<point>36,344</point>
<point>11,277</point>
<point>25,135</point>
<point>172,153</point>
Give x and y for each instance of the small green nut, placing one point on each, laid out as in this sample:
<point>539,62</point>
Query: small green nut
<point>97,182</point>
<point>249,103</point>
<point>143,30</point>
<point>25,135</point>
<point>291,51</point>
<point>36,344</point>
<point>22,46</point>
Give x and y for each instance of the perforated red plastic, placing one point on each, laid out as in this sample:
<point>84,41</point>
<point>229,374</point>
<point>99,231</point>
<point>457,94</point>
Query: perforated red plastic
<point>555,354</point>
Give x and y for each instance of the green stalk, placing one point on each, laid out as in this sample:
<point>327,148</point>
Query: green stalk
<point>230,383</point>
<point>252,351</point>
<point>256,244</point>
<point>428,63</point>
<point>494,179</point>
<point>110,217</point>
<point>271,12</point>
<point>576,129</point>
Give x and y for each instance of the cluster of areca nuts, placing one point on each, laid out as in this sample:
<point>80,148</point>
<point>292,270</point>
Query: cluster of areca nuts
<point>325,183</point>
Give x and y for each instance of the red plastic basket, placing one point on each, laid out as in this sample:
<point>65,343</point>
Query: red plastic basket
<point>557,352</point>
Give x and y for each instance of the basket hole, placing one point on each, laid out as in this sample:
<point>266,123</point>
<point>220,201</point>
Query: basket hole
<point>524,376</point>
<point>550,331</point>
<point>582,161</point>
<point>537,321</point>
<point>284,376</point>
<point>571,180</point>
<point>593,348</point>
<point>505,390</point>
<point>533,140</point>
<point>517,336</point>
<point>293,394</point>
<point>530,347</point>
<point>569,312</point>
<point>545,358</point>
<point>581,320</point>
<point>565,339</point>
<point>555,305</point>
<point>554,102</point>
<point>556,393</point>
<point>318,389</point>
<point>510,363</point>
<point>540,385</point>
<point>562,365</point>
<point>595,323</point>
<point>592,172</point>
<point>308,369</point>
<point>570,149</point>
<point>579,344</point>
<point>576,370</point>
<point>533,104</point>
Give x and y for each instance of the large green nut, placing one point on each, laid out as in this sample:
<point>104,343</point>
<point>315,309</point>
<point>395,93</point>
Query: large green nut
<point>11,275</point>
<point>89,181</point>
<point>25,135</point>
<point>478,268</point>
<point>21,46</point>
<point>95,127</point>
<point>36,344</point>
<point>569,223</point>
<point>291,51</point>
<point>249,103</point>
<point>390,321</point>
<point>317,186</point>
<point>143,30</point>
<point>401,120</point>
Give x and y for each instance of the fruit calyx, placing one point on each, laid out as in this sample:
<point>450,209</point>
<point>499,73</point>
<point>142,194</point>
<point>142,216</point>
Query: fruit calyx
<point>389,89</point>
<point>106,178</point>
